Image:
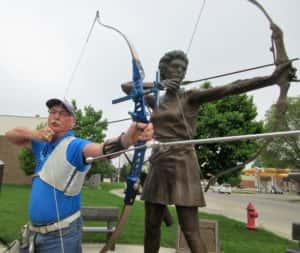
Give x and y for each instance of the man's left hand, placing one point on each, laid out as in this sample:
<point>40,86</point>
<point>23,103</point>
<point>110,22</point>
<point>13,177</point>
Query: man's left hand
<point>137,132</point>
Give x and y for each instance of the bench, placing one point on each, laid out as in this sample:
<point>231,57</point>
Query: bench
<point>108,214</point>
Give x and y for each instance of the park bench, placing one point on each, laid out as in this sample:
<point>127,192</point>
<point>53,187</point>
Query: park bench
<point>109,215</point>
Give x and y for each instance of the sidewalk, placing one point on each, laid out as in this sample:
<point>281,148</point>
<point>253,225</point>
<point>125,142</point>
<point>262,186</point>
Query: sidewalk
<point>121,248</point>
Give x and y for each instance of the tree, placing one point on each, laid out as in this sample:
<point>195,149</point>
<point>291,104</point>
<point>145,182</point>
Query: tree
<point>26,158</point>
<point>232,115</point>
<point>124,172</point>
<point>103,167</point>
<point>284,152</point>
<point>257,163</point>
<point>27,162</point>
<point>89,125</point>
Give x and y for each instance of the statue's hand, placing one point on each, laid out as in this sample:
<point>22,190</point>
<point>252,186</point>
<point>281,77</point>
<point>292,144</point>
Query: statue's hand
<point>171,84</point>
<point>284,72</point>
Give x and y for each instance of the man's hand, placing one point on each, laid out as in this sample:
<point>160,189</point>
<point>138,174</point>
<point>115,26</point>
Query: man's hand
<point>137,132</point>
<point>45,134</point>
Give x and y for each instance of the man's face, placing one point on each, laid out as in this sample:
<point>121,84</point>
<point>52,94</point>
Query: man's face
<point>60,120</point>
<point>176,69</point>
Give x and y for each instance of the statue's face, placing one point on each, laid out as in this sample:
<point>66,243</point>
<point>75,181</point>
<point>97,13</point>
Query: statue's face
<point>176,69</point>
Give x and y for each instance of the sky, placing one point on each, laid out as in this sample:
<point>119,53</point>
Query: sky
<point>41,42</point>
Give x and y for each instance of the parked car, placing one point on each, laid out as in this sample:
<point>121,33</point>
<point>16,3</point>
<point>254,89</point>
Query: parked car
<point>225,188</point>
<point>276,190</point>
<point>215,187</point>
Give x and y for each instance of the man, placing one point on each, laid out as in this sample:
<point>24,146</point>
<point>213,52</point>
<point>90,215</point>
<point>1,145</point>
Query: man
<point>54,209</point>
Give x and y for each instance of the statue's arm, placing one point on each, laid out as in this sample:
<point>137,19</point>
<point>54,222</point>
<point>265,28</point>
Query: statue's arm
<point>200,96</point>
<point>283,71</point>
<point>149,99</point>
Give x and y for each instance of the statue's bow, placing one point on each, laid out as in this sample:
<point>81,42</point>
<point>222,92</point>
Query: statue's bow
<point>280,58</point>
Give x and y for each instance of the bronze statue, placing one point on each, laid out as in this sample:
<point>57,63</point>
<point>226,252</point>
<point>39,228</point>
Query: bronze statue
<point>174,174</point>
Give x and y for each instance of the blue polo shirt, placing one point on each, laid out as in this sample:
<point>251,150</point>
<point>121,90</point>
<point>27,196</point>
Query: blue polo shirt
<point>43,199</point>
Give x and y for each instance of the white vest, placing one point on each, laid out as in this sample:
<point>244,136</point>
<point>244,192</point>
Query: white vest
<point>61,174</point>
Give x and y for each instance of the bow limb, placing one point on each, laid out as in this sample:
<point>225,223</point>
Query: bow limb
<point>124,215</point>
<point>139,115</point>
<point>284,80</point>
<point>280,57</point>
<point>132,50</point>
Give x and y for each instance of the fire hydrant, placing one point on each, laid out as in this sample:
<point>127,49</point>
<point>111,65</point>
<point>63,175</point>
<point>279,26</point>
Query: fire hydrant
<point>251,216</point>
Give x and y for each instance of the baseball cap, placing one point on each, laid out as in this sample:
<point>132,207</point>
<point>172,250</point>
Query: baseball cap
<point>56,101</point>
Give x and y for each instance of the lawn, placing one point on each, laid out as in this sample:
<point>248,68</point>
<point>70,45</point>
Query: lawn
<point>234,238</point>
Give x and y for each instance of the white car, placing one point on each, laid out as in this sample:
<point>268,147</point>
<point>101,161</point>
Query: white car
<point>225,188</point>
<point>215,187</point>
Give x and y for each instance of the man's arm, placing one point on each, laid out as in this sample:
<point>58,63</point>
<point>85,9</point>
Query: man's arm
<point>136,131</point>
<point>22,136</point>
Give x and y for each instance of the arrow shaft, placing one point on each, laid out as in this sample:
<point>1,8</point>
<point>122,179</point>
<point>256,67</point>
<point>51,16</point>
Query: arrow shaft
<point>154,143</point>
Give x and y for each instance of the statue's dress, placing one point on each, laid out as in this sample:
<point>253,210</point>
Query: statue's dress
<point>174,175</point>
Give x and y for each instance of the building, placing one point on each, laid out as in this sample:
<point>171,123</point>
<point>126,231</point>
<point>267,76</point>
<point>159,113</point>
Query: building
<point>263,179</point>
<point>12,173</point>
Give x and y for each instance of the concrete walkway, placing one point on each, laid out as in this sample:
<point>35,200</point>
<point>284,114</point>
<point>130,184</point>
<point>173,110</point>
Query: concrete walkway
<point>122,248</point>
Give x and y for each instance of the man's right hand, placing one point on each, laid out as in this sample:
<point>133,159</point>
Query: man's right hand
<point>45,134</point>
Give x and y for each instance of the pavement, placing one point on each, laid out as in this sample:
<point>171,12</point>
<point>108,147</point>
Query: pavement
<point>276,212</point>
<point>120,248</point>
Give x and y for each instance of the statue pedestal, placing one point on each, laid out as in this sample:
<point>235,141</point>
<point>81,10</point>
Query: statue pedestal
<point>209,233</point>
<point>95,180</point>
<point>295,236</point>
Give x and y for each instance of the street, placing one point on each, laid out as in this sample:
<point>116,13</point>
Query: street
<point>276,213</point>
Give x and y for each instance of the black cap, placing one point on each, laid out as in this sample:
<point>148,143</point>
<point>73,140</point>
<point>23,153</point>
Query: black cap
<point>56,101</point>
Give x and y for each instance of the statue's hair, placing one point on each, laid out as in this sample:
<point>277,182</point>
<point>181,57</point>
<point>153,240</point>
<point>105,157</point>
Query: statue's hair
<point>168,57</point>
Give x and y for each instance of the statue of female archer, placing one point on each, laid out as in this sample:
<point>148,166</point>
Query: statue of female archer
<point>174,174</point>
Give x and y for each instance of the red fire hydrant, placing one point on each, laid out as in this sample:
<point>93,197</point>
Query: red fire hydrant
<point>251,216</point>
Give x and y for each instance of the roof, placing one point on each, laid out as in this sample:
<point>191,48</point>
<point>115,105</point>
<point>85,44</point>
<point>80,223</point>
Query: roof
<point>267,172</point>
<point>11,121</point>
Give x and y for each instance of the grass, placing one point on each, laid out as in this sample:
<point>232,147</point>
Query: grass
<point>294,201</point>
<point>234,238</point>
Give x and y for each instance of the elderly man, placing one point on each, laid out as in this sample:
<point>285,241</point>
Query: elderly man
<point>54,209</point>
